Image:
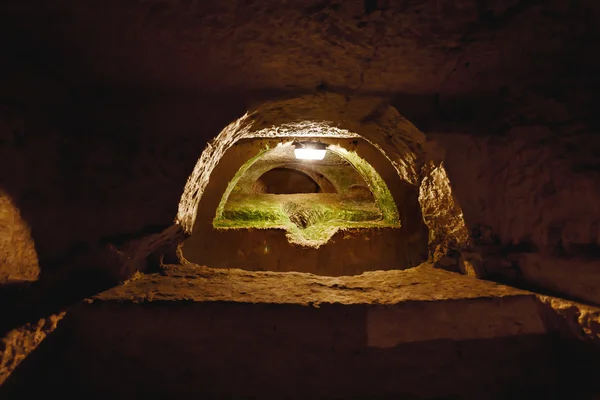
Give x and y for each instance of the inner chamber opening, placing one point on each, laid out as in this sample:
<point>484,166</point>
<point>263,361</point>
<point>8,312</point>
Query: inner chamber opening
<point>287,181</point>
<point>342,215</point>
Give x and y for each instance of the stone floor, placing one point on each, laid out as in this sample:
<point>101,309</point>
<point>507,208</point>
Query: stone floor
<point>198,283</point>
<point>422,333</point>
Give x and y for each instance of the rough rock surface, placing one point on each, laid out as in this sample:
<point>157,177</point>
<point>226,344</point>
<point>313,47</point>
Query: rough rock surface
<point>573,320</point>
<point>574,277</point>
<point>191,282</point>
<point>412,47</point>
<point>349,252</point>
<point>61,196</point>
<point>399,329</point>
<point>197,283</point>
<point>18,343</point>
<point>18,258</point>
<point>100,143</point>
<point>331,175</point>
<point>533,192</point>
<point>230,349</point>
<point>323,115</point>
<point>441,212</point>
<point>547,190</point>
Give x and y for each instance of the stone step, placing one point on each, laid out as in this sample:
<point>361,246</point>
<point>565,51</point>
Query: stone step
<point>414,334</point>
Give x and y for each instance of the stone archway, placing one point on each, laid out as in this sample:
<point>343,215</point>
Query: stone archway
<point>336,116</point>
<point>289,180</point>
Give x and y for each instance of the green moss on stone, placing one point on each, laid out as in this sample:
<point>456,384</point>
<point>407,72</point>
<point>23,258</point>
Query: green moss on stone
<point>310,219</point>
<point>232,184</point>
<point>381,193</point>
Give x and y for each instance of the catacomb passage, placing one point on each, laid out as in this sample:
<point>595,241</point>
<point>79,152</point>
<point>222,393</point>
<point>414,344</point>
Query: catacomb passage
<point>265,199</point>
<point>334,216</point>
<point>393,208</point>
<point>291,180</point>
<point>319,261</point>
<point>312,217</point>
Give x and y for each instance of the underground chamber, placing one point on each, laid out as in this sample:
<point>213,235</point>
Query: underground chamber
<point>307,274</point>
<point>268,206</point>
<point>300,200</point>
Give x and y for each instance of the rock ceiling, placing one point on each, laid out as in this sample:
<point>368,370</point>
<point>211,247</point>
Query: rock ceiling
<point>406,46</point>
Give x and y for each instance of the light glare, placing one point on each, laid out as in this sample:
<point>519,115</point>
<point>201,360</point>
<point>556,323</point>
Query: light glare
<point>309,154</point>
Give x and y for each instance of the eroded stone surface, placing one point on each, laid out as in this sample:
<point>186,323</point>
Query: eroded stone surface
<point>328,115</point>
<point>441,212</point>
<point>349,252</point>
<point>416,47</point>
<point>198,283</point>
<point>20,342</point>
<point>533,191</point>
<point>533,183</point>
<point>18,258</point>
<point>192,323</point>
<point>273,351</point>
<point>575,277</point>
<point>531,188</point>
<point>573,320</point>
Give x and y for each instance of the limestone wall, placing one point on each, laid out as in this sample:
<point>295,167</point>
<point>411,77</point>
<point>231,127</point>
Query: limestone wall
<point>527,186</point>
<point>83,175</point>
<point>347,253</point>
<point>80,176</point>
<point>534,195</point>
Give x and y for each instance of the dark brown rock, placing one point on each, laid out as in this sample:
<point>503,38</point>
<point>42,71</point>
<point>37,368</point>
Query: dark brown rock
<point>486,109</point>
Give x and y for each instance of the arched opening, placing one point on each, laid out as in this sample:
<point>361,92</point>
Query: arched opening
<point>358,198</point>
<point>347,246</point>
<point>286,180</point>
<point>432,221</point>
<point>396,141</point>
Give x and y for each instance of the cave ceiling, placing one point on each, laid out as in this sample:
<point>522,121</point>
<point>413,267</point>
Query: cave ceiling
<point>417,50</point>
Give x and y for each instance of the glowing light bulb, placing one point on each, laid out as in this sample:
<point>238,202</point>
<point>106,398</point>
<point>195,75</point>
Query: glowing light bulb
<point>309,154</point>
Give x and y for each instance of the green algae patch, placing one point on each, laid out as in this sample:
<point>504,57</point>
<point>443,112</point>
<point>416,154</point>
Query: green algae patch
<point>310,219</point>
<point>382,195</point>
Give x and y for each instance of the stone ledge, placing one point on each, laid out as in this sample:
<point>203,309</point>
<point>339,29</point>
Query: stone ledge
<point>476,348</point>
<point>242,334</point>
<point>18,343</point>
<point>572,320</point>
<point>197,283</point>
<point>414,305</point>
